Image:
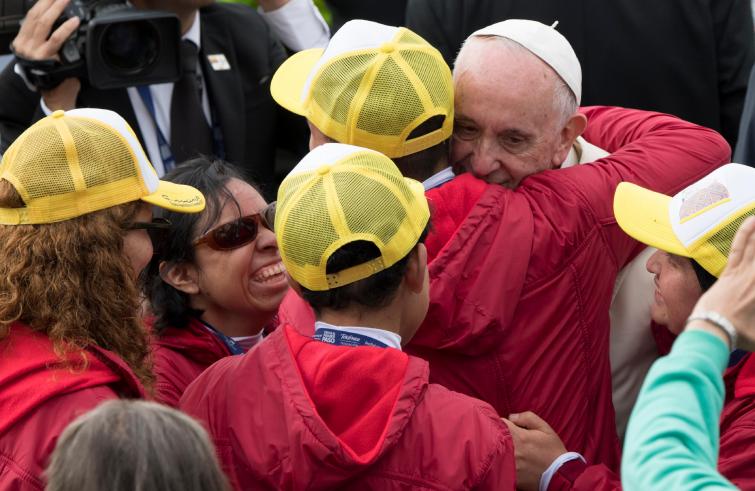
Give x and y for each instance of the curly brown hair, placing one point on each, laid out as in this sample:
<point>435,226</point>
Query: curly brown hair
<point>71,281</point>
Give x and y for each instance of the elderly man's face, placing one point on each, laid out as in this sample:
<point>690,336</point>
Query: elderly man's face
<point>506,126</point>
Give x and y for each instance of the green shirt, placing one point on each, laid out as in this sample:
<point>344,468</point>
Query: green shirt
<point>672,437</point>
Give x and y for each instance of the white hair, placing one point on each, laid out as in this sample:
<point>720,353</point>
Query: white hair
<point>564,100</point>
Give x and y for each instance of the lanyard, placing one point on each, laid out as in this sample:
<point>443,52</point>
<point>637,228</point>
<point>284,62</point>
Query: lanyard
<point>166,154</point>
<point>228,341</point>
<point>343,338</point>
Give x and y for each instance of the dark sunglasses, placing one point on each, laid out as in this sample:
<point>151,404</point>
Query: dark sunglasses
<point>156,224</point>
<point>235,234</point>
<point>156,229</point>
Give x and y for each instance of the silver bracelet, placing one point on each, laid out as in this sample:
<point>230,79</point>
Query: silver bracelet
<point>719,321</point>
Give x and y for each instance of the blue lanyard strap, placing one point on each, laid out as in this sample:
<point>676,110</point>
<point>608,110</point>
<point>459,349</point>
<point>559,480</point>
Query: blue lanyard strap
<point>166,154</point>
<point>343,338</point>
<point>229,342</point>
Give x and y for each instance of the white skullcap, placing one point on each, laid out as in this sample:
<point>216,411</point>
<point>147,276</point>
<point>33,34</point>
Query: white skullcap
<point>546,43</point>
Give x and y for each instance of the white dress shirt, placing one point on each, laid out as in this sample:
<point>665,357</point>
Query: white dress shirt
<point>299,25</point>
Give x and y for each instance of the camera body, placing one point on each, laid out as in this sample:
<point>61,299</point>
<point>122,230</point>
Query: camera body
<point>115,46</point>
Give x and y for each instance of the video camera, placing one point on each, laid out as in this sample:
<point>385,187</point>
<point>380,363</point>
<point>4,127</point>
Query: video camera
<point>115,45</point>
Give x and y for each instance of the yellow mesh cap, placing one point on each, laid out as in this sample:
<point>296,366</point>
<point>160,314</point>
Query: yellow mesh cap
<point>73,163</point>
<point>339,194</point>
<point>699,222</point>
<point>372,86</point>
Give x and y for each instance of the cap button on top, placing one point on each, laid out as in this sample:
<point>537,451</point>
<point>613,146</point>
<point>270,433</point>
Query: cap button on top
<point>58,114</point>
<point>388,48</point>
<point>323,170</point>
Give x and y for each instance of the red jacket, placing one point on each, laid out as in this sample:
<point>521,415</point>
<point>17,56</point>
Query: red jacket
<point>39,397</point>
<point>736,448</point>
<point>295,413</point>
<point>520,291</point>
<point>521,280</point>
<point>180,355</point>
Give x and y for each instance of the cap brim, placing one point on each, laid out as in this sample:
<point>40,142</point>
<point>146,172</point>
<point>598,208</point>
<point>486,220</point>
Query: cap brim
<point>644,215</point>
<point>176,197</point>
<point>289,80</point>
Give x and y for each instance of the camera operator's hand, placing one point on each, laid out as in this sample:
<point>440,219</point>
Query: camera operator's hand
<point>37,41</point>
<point>733,295</point>
<point>271,5</point>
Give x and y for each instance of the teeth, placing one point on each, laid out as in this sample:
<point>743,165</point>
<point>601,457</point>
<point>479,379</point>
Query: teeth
<point>269,272</point>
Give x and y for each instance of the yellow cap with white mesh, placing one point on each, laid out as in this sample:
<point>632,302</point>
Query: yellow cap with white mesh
<point>339,194</point>
<point>372,87</point>
<point>77,162</point>
<point>699,222</point>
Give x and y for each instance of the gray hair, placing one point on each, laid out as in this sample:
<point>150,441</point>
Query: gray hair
<point>564,100</point>
<point>134,445</point>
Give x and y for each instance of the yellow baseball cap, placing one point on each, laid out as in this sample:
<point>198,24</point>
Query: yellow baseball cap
<point>336,195</point>
<point>699,222</point>
<point>372,86</point>
<point>80,161</point>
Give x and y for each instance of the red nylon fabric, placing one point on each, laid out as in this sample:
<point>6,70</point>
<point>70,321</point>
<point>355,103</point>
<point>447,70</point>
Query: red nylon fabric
<point>520,291</point>
<point>297,422</point>
<point>180,355</point>
<point>39,397</point>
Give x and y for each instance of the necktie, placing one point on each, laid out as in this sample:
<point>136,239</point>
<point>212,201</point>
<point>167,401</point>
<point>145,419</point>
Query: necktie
<point>190,134</point>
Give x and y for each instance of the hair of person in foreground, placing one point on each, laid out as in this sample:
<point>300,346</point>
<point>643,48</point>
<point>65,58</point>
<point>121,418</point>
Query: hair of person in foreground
<point>134,445</point>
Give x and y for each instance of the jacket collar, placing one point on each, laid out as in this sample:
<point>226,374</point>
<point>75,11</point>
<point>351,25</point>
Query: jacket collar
<point>194,341</point>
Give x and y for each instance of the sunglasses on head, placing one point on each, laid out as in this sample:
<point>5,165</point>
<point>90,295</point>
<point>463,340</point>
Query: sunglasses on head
<point>236,233</point>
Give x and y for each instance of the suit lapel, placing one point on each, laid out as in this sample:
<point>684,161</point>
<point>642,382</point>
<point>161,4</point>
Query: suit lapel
<point>224,87</point>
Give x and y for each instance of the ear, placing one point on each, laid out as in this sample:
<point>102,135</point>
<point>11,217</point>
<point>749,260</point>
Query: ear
<point>574,127</point>
<point>416,269</point>
<point>181,276</point>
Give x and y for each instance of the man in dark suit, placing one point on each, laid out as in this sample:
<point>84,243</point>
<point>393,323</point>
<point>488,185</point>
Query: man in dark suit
<point>235,58</point>
<point>690,58</point>
<point>389,12</point>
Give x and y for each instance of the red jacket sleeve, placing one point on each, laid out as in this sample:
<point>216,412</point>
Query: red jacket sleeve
<point>653,150</point>
<point>501,474</point>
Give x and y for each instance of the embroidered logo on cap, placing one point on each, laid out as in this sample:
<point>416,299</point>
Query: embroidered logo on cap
<point>703,199</point>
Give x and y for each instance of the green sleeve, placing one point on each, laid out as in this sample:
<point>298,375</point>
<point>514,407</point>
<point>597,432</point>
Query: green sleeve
<point>672,437</point>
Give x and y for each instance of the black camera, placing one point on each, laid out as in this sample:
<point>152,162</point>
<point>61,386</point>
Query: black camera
<point>115,45</point>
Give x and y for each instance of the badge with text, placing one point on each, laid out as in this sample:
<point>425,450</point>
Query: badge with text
<point>218,62</point>
<point>341,338</point>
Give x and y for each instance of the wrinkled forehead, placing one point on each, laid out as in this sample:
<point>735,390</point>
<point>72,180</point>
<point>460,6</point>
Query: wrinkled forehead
<point>482,54</point>
<point>516,92</point>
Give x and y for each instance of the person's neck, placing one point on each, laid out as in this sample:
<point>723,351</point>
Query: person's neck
<point>421,174</point>
<point>187,20</point>
<point>375,319</point>
<point>237,325</point>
